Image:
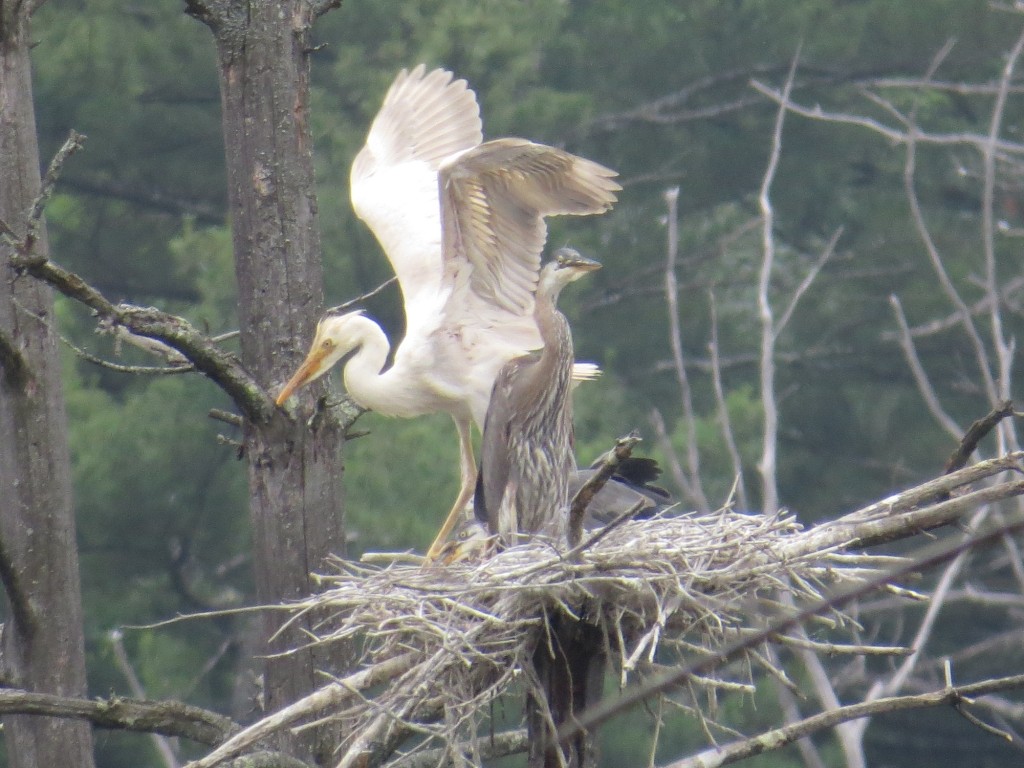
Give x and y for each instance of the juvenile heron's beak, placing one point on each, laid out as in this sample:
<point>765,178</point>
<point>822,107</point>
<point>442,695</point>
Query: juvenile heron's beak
<point>313,366</point>
<point>571,259</point>
<point>452,552</point>
<point>471,543</point>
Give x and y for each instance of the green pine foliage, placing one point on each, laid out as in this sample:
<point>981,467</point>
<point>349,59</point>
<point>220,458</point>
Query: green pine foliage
<point>140,213</point>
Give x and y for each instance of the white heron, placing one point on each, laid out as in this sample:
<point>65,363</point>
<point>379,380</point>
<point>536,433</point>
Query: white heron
<point>462,223</point>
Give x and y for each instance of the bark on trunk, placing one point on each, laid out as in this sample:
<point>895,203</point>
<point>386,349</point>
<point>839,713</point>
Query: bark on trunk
<point>569,665</point>
<point>43,643</point>
<point>294,465</point>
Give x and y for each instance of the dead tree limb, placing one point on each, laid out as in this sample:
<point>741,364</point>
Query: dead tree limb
<point>168,718</point>
<point>779,737</point>
<point>673,678</point>
<point>974,435</point>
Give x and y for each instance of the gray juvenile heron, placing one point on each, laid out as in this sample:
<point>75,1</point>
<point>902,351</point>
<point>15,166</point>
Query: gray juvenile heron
<point>462,223</point>
<point>633,483</point>
<point>526,455</point>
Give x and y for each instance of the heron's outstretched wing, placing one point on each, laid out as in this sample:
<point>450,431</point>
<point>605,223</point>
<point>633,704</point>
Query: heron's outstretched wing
<point>494,198</point>
<point>425,118</point>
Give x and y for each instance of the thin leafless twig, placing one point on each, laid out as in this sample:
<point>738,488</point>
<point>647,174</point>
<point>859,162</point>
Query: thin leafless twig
<point>722,406</point>
<point>924,385</point>
<point>693,485</point>
<point>162,745</point>
<point>779,737</point>
<point>769,441</point>
<point>360,299</point>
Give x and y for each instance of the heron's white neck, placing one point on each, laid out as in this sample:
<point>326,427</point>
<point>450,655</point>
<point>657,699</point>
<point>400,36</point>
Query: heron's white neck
<point>384,393</point>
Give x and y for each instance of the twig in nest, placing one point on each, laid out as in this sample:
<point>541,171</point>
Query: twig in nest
<point>597,715</point>
<point>577,509</point>
<point>625,517</point>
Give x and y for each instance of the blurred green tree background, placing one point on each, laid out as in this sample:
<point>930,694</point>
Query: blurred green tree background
<point>659,91</point>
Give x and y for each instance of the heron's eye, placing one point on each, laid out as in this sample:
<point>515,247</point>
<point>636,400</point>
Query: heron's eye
<point>326,344</point>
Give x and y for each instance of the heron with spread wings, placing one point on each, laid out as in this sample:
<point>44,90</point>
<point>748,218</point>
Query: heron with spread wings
<point>462,223</point>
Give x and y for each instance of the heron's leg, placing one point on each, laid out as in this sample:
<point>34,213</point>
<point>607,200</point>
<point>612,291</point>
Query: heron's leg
<point>468,470</point>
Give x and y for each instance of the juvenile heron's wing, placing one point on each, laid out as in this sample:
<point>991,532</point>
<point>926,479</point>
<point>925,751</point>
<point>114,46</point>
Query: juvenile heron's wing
<point>494,198</point>
<point>496,480</point>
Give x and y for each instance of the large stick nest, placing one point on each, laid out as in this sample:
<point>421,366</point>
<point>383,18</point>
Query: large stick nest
<point>448,640</point>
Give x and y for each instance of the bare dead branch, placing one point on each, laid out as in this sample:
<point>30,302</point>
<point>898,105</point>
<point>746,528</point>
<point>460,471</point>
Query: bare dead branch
<point>334,694</point>
<point>693,484</point>
<point>872,530</point>
<point>174,331</point>
<point>722,407</point>
<point>221,367</point>
<point>791,711</point>
<point>669,108</point>
<point>360,299</point>
<point>769,437</point>
<point>780,737</point>
<point>812,273</point>
<point>169,718</point>
<point>921,379</point>
<point>833,649</point>
<point>71,145</point>
<point>1003,348</point>
<point>160,743</point>
<point>228,418</point>
<point>601,713</point>
<point>928,84</point>
<point>497,745</point>
<point>895,136</point>
<point>939,268</point>
<point>1008,290</point>
<point>975,434</point>
<point>138,370</point>
<point>154,347</point>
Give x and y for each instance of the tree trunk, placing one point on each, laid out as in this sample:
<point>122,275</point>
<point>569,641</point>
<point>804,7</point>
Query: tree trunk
<point>569,665</point>
<point>294,463</point>
<point>43,642</point>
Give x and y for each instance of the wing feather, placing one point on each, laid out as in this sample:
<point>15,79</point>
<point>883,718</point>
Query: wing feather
<point>425,118</point>
<point>494,198</point>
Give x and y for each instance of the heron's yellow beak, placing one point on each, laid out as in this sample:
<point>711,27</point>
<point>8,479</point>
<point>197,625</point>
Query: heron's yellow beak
<point>311,368</point>
<point>451,552</point>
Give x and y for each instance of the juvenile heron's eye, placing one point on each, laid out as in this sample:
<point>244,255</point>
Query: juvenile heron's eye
<point>327,344</point>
